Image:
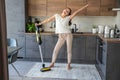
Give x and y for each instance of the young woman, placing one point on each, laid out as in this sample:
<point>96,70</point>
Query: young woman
<point>63,30</point>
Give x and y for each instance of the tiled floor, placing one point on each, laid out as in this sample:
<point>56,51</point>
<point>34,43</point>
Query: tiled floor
<point>30,71</point>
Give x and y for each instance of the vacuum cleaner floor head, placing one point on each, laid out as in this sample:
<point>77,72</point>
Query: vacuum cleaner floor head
<point>45,69</point>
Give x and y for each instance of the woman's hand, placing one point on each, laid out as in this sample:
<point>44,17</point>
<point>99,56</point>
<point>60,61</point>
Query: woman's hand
<point>77,11</point>
<point>37,24</point>
<point>86,5</point>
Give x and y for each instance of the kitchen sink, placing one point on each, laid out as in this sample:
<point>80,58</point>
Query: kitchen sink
<point>78,33</point>
<point>82,33</point>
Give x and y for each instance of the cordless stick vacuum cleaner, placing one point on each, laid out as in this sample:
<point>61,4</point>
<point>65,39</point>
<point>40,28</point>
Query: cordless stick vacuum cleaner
<point>39,41</point>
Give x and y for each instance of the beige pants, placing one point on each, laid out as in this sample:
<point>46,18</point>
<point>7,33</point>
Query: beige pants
<point>61,40</point>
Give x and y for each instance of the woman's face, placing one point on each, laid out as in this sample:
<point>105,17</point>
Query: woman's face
<point>66,12</point>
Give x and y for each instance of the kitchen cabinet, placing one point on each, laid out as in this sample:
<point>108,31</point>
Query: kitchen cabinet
<point>101,56</point>
<point>55,6</point>
<point>76,4</point>
<point>90,48</point>
<point>83,48</point>
<point>50,7</point>
<point>50,42</point>
<point>78,48</point>
<point>107,63</point>
<point>106,6</point>
<point>45,7</point>
<point>112,62</point>
<point>101,7</point>
<point>32,47</point>
<point>94,8</point>
<point>36,7</point>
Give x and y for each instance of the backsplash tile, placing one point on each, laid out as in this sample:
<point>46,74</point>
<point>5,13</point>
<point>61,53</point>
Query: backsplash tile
<point>84,23</point>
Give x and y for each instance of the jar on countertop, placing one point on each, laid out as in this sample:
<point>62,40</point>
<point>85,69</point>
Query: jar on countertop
<point>112,33</point>
<point>107,31</point>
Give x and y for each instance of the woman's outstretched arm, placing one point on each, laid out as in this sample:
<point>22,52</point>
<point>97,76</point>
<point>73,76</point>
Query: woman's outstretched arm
<point>77,11</point>
<point>46,20</point>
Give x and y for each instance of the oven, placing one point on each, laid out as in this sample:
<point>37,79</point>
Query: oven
<point>99,54</point>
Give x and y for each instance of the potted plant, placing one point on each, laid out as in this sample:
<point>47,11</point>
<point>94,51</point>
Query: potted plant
<point>94,29</point>
<point>30,26</point>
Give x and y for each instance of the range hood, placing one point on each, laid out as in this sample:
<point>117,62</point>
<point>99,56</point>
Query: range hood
<point>115,9</point>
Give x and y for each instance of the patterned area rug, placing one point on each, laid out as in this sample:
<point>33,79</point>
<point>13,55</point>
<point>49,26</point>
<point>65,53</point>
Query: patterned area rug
<point>78,72</point>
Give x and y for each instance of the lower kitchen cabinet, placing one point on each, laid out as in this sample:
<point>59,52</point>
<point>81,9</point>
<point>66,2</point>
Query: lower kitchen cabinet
<point>112,62</point>
<point>32,47</point>
<point>83,48</point>
<point>50,42</point>
<point>90,49</point>
<point>101,57</point>
<point>78,49</point>
<point>108,60</point>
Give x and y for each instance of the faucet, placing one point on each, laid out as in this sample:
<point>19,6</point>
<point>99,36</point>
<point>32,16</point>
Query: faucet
<point>75,28</point>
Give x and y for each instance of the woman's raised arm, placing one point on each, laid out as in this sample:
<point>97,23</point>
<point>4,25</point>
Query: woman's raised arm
<point>77,11</point>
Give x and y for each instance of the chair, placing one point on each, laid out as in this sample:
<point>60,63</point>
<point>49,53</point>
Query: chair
<point>13,57</point>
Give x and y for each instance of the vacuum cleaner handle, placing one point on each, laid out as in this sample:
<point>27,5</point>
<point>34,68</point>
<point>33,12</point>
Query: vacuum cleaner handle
<point>40,51</point>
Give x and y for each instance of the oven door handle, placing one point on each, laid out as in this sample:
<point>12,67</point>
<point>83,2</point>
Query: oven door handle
<point>101,46</point>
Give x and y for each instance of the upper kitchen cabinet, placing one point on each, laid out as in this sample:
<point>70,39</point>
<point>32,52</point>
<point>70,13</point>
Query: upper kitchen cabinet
<point>50,7</point>
<point>76,4</point>
<point>94,8</point>
<point>106,6</point>
<point>55,6</point>
<point>36,7</point>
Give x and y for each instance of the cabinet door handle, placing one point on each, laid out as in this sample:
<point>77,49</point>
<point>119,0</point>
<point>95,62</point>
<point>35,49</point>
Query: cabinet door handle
<point>101,46</point>
<point>54,36</point>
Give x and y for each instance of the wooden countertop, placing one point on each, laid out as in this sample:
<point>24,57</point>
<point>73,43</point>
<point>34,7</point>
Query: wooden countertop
<point>110,40</point>
<point>77,33</point>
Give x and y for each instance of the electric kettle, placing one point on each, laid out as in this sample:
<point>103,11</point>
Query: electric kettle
<point>107,31</point>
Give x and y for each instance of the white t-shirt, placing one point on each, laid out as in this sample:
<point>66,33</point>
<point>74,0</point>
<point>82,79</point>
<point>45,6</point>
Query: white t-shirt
<point>62,24</point>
